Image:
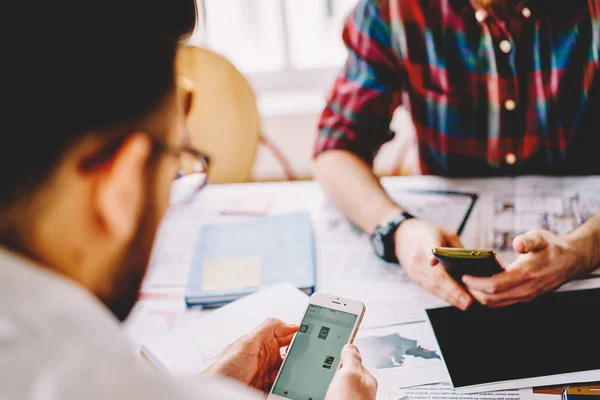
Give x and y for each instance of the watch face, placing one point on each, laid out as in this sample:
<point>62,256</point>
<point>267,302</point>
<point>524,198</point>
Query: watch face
<point>378,245</point>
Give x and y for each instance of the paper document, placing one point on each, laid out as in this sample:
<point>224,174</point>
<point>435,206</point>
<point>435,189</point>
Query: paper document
<point>247,204</point>
<point>444,391</point>
<point>526,203</point>
<point>192,348</point>
<point>449,209</point>
<point>402,355</point>
<point>390,393</point>
<point>231,274</point>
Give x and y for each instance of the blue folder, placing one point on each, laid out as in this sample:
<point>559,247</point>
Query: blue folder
<point>284,244</point>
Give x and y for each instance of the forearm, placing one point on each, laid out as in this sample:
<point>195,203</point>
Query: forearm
<point>354,189</point>
<point>586,239</point>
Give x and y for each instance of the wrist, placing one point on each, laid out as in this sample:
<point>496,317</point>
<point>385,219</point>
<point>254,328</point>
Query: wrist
<point>583,247</point>
<point>402,230</point>
<point>383,238</point>
<point>387,215</point>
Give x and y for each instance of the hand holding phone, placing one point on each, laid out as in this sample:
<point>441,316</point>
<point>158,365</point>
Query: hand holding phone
<point>475,262</point>
<point>314,356</point>
<point>352,380</point>
<point>240,360</point>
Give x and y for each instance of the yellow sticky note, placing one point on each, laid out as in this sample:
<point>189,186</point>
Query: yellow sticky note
<point>231,274</point>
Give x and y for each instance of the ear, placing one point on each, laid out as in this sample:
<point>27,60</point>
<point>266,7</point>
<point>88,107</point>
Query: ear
<point>121,189</point>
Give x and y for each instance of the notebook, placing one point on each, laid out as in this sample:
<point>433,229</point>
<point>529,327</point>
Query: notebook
<point>551,340</point>
<point>235,259</point>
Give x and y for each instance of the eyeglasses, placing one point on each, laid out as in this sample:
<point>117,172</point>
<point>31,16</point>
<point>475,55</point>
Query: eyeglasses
<point>193,167</point>
<point>193,172</point>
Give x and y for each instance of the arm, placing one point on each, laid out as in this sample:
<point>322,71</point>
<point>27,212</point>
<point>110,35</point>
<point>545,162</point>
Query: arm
<point>586,239</point>
<point>354,125</point>
<point>341,172</point>
<point>545,262</point>
<point>355,122</point>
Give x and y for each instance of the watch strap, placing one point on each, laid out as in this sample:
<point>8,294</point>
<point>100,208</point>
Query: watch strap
<point>386,232</point>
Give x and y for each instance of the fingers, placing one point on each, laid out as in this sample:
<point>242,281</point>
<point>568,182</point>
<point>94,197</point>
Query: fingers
<point>445,287</point>
<point>371,378</point>
<point>351,360</point>
<point>422,266</point>
<point>352,380</point>
<point>370,383</point>
<point>273,328</point>
<point>285,341</point>
<point>273,376</point>
<point>431,243</point>
<point>350,357</point>
<point>522,293</point>
<point>449,239</point>
<point>530,242</point>
<point>433,261</point>
<point>454,240</point>
<point>498,283</point>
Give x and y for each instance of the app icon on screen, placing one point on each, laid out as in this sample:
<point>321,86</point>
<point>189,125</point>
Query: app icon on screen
<point>324,332</point>
<point>328,362</point>
<point>306,328</point>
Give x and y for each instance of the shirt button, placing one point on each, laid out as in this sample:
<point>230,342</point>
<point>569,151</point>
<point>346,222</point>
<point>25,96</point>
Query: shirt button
<point>510,105</point>
<point>480,15</point>
<point>526,12</point>
<point>510,158</point>
<point>505,46</point>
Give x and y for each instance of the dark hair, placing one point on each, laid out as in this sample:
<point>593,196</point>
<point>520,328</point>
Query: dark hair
<point>73,67</point>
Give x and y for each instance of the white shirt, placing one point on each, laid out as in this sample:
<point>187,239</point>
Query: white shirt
<point>59,342</point>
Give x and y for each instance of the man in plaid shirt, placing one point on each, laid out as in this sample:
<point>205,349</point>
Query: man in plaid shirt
<point>495,88</point>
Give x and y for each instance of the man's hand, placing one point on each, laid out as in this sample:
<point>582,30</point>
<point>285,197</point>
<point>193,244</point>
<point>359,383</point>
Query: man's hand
<point>414,241</point>
<point>352,381</point>
<point>545,262</point>
<point>255,358</point>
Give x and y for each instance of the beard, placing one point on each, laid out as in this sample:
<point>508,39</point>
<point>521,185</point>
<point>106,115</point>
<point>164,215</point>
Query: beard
<point>133,264</point>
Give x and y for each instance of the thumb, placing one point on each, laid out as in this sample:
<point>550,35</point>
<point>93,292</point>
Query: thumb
<point>350,357</point>
<point>454,241</point>
<point>531,241</point>
<point>428,245</point>
<point>273,328</point>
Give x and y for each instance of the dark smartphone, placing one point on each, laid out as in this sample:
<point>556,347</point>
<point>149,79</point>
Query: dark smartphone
<point>581,392</point>
<point>459,262</point>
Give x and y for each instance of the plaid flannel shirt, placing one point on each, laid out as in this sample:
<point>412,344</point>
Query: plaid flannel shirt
<point>489,93</point>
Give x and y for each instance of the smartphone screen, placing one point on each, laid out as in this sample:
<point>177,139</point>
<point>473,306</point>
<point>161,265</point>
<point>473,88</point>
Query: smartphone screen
<point>314,356</point>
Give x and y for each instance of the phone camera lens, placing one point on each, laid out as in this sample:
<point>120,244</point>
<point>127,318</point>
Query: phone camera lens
<point>344,303</point>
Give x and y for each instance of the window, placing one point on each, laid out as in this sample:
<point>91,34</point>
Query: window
<point>282,45</point>
<point>314,29</point>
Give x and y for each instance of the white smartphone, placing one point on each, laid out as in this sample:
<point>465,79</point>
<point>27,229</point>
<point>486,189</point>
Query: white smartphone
<point>313,357</point>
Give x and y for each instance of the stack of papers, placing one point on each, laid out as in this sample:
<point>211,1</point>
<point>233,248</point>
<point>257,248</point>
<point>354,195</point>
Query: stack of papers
<point>190,349</point>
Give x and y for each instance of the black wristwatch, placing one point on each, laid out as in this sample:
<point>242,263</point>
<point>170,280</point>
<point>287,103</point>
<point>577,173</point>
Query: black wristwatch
<point>383,237</point>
